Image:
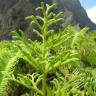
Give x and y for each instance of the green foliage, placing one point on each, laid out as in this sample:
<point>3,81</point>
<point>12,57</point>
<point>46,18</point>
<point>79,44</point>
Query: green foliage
<point>47,55</point>
<point>84,42</point>
<point>8,59</point>
<point>89,45</point>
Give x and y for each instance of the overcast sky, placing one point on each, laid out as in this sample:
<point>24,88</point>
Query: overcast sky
<point>90,7</point>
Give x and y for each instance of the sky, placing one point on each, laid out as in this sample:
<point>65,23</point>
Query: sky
<point>90,7</point>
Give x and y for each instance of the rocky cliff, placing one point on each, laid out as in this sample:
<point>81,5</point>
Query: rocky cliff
<point>77,11</point>
<point>13,13</point>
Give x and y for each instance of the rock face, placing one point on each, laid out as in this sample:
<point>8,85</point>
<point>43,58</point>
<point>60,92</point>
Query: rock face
<point>13,13</point>
<point>78,12</point>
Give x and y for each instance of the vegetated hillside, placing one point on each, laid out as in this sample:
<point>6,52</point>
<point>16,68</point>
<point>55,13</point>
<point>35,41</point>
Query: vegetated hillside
<point>13,13</point>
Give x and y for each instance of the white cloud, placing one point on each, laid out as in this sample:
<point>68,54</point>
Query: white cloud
<point>92,13</point>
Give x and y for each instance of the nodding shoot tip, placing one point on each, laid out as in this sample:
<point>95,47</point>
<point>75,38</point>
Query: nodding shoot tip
<point>28,17</point>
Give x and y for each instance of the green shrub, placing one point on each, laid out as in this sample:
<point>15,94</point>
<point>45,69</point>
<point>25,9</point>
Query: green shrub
<point>45,56</point>
<point>8,58</point>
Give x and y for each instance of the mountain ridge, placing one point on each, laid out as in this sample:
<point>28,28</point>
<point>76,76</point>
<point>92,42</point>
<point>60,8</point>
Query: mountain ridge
<point>13,13</point>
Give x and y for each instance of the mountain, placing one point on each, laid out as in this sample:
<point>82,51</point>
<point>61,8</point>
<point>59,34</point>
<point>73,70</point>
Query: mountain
<point>13,13</point>
<point>78,12</point>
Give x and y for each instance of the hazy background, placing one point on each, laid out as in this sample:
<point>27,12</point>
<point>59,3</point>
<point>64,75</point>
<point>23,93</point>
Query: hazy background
<point>90,7</point>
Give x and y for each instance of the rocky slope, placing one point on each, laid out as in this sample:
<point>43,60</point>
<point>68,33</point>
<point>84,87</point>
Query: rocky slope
<point>78,12</point>
<point>13,13</point>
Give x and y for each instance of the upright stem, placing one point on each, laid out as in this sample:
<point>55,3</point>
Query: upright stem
<point>44,86</point>
<point>44,89</point>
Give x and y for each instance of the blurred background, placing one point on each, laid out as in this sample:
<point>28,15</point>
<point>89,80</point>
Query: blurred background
<point>78,13</point>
